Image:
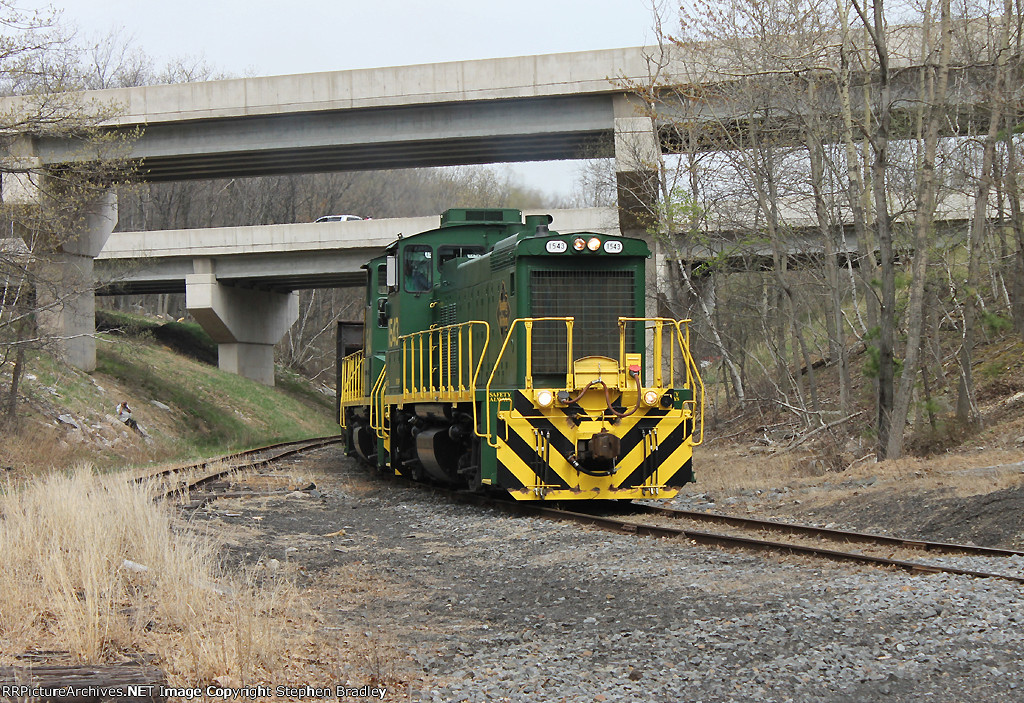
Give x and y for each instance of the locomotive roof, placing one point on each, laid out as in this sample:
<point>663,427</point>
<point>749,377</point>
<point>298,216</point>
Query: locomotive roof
<point>465,224</point>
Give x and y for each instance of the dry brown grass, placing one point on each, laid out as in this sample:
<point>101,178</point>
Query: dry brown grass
<point>94,568</point>
<point>728,470</point>
<point>37,445</point>
<point>34,447</point>
<point>731,468</point>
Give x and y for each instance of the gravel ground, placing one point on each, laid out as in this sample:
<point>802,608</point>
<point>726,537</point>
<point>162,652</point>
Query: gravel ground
<point>470,605</point>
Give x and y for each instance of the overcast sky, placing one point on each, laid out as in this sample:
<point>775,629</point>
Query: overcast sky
<point>274,37</point>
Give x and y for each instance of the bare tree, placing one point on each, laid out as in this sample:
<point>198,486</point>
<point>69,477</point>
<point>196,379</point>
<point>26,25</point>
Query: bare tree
<point>114,61</point>
<point>935,77</point>
<point>825,117</point>
<point>45,211</point>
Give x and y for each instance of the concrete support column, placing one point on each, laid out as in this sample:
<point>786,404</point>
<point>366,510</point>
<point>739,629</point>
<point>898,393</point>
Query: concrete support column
<point>65,284</point>
<point>65,291</point>
<point>246,324</point>
<point>637,154</point>
<point>637,159</point>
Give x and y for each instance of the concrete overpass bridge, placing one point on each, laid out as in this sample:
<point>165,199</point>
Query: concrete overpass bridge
<point>289,257</point>
<point>524,108</point>
<point>467,112</point>
<point>239,282</point>
<point>278,258</point>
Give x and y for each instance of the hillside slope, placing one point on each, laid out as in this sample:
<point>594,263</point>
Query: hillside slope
<point>185,406</point>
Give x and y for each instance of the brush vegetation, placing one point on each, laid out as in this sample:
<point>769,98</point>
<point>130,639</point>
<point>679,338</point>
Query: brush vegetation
<point>93,567</point>
<point>94,571</point>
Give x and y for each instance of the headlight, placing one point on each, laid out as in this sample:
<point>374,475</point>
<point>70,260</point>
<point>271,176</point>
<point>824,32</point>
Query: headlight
<point>579,244</point>
<point>545,398</point>
<point>594,244</point>
<point>651,398</point>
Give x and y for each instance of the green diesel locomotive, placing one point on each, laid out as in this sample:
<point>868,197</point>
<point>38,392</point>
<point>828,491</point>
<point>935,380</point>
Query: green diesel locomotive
<point>497,353</point>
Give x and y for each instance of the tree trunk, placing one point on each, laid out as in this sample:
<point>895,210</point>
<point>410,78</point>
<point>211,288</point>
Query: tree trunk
<point>11,406</point>
<point>966,409</point>
<point>924,219</point>
<point>836,338</point>
<point>879,139</point>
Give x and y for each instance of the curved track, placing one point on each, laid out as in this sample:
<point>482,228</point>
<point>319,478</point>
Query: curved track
<point>738,541</point>
<point>178,480</point>
<point>825,532</point>
<point>627,525</point>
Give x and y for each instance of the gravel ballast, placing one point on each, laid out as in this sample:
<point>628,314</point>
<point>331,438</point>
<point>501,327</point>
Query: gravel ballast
<point>480,606</point>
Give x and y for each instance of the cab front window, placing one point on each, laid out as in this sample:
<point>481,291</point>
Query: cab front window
<point>418,268</point>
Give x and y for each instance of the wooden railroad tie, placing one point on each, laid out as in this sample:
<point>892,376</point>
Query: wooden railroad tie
<point>47,683</point>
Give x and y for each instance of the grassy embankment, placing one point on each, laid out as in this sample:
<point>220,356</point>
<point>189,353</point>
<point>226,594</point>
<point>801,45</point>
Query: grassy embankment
<point>208,411</point>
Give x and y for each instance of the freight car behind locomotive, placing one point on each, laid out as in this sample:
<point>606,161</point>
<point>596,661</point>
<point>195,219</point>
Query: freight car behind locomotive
<point>497,353</point>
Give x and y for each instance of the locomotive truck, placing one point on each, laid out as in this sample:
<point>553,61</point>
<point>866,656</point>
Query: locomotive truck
<point>496,354</point>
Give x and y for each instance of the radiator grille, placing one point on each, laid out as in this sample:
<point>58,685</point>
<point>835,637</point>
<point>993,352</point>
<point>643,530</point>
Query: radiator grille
<point>447,316</point>
<point>596,299</point>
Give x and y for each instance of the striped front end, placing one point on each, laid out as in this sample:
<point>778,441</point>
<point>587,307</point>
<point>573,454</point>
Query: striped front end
<point>540,453</point>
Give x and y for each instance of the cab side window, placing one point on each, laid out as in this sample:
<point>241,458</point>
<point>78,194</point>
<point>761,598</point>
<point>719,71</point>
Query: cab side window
<point>454,251</point>
<point>382,296</point>
<point>418,268</point>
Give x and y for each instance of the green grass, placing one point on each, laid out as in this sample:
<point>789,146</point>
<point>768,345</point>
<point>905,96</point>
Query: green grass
<point>124,323</point>
<point>186,338</point>
<point>203,418</point>
<point>214,409</point>
<point>211,412</point>
<point>300,386</point>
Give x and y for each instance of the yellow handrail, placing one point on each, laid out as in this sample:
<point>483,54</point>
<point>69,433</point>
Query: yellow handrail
<point>453,363</point>
<point>693,379</point>
<point>689,368</point>
<point>352,388</point>
<point>377,403</point>
<point>442,363</point>
<point>528,325</point>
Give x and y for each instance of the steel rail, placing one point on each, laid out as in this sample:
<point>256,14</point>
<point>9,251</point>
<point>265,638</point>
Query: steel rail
<point>718,540</point>
<point>250,458</point>
<point>330,439</point>
<point>825,532</point>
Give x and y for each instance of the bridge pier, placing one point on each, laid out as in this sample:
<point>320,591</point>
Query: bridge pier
<point>65,292</point>
<point>245,323</point>
<point>637,157</point>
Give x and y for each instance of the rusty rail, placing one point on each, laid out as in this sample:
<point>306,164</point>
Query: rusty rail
<point>828,533</point>
<point>229,463</point>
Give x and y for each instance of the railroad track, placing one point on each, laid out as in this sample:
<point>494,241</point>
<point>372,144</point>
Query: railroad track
<point>179,480</point>
<point>630,525</point>
<point>825,532</point>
